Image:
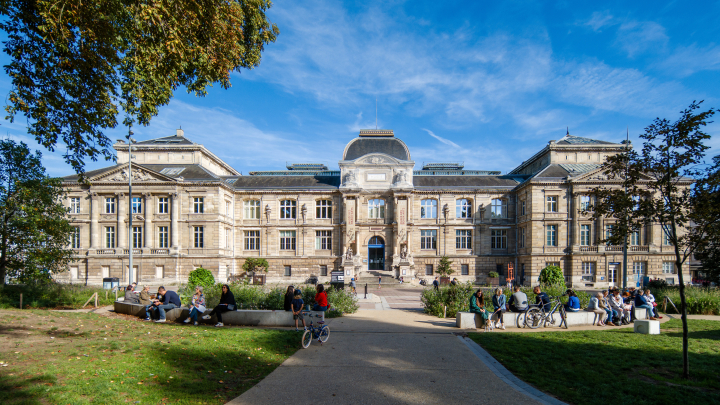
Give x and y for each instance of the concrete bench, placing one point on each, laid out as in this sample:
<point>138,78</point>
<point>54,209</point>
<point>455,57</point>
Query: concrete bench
<point>245,317</point>
<point>469,320</point>
<point>646,327</point>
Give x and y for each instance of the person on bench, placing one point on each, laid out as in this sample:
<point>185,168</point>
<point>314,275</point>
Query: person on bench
<point>170,300</point>
<point>595,306</point>
<point>573,304</point>
<point>130,296</point>
<point>518,300</point>
<point>642,302</point>
<point>651,300</point>
<point>145,296</point>
<point>227,303</point>
<point>197,306</point>
<point>542,300</point>
<point>321,301</point>
<point>498,301</point>
<point>477,306</point>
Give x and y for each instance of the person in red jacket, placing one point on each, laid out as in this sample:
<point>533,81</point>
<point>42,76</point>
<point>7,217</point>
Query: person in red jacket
<point>321,302</point>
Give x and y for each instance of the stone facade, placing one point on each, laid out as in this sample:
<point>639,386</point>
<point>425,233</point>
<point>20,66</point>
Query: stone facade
<point>190,209</point>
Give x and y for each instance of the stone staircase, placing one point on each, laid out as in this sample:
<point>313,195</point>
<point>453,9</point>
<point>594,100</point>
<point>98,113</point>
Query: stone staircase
<point>371,279</point>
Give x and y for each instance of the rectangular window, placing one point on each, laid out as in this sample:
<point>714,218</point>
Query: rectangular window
<point>498,238</point>
<point>288,209</point>
<point>638,269</point>
<point>666,239</point>
<point>551,232</point>
<point>588,272</point>
<point>162,205</point>
<point>668,268</point>
<point>136,205</point>
<point>287,240</point>
<point>585,235</point>
<point>323,240</point>
<point>75,205</point>
<point>137,239</point>
<point>251,209</point>
<point>252,240</point>
<point>464,269</point>
<point>227,208</point>
<point>288,271</point>
<point>428,239</point>
<point>75,238</point>
<point>584,202</point>
<point>198,205</point>
<point>376,209</point>
<point>522,207</point>
<point>428,209</point>
<point>163,234</point>
<point>428,269</point>
<point>608,232</point>
<point>521,237</point>
<point>498,208</point>
<point>463,209</point>
<point>109,237</point>
<point>323,209</point>
<point>228,238</point>
<point>323,270</point>
<point>110,205</point>
<point>199,233</point>
<point>670,281</point>
<point>552,203</point>
<point>635,238</point>
<point>463,239</point>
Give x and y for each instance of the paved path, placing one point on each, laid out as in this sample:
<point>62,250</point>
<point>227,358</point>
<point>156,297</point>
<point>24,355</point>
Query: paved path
<point>391,356</point>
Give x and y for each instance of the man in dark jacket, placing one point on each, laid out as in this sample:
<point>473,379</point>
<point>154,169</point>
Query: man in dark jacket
<point>170,300</point>
<point>542,299</point>
<point>641,302</point>
<point>436,284</point>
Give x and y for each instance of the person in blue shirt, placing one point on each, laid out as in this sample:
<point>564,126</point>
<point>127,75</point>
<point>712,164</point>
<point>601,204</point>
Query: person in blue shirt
<point>542,299</point>
<point>297,306</point>
<point>170,300</point>
<point>641,302</point>
<point>498,301</point>
<point>573,304</point>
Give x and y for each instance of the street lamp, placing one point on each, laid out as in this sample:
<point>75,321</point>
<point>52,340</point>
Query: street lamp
<point>131,141</point>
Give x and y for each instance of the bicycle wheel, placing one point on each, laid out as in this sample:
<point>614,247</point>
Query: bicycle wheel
<point>520,321</point>
<point>324,334</point>
<point>306,339</point>
<point>563,317</point>
<point>533,318</point>
<point>550,319</point>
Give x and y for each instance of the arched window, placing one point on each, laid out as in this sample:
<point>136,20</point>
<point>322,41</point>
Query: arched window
<point>376,240</point>
<point>376,208</point>
<point>463,209</point>
<point>428,209</point>
<point>288,209</point>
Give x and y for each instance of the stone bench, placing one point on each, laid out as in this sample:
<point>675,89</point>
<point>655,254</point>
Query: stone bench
<point>469,320</point>
<point>244,317</point>
<point>646,327</point>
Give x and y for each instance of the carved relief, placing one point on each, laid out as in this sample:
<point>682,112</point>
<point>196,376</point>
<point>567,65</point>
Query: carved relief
<point>137,175</point>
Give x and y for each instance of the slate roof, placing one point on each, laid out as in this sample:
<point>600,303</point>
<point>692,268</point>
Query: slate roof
<point>553,171</point>
<point>577,168</point>
<point>287,182</point>
<point>189,172</point>
<point>388,145</point>
<point>168,140</point>
<point>91,173</point>
<point>577,140</point>
<point>436,182</point>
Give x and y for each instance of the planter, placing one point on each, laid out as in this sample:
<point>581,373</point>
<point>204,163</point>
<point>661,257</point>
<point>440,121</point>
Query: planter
<point>444,280</point>
<point>494,281</point>
<point>259,279</point>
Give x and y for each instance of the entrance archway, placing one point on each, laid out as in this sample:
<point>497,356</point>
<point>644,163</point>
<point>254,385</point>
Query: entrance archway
<point>376,253</point>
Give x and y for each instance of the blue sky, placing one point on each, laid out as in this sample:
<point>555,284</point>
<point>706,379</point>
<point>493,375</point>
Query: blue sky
<point>485,83</point>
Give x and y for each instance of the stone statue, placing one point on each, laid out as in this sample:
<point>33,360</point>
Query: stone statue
<point>403,252</point>
<point>349,254</point>
<point>303,211</point>
<point>350,177</point>
<point>402,177</point>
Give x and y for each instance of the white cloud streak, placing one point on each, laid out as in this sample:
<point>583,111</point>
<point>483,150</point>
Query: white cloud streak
<point>441,139</point>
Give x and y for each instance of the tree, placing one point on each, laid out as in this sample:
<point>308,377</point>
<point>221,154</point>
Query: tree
<point>252,265</point>
<point>552,275</point>
<point>75,65</point>
<point>655,187</point>
<point>444,269</point>
<point>706,214</point>
<point>34,230</point>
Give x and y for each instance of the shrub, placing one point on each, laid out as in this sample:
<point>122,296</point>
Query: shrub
<point>444,268</point>
<point>254,265</point>
<point>700,300</point>
<point>456,298</point>
<point>552,275</point>
<point>493,274</point>
<point>201,276</point>
<point>53,295</point>
<point>341,302</point>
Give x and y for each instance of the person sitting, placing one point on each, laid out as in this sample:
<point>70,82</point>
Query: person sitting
<point>573,304</point>
<point>617,304</point>
<point>605,305</point>
<point>130,296</point>
<point>227,303</point>
<point>641,302</point>
<point>518,300</point>
<point>628,302</point>
<point>297,306</point>
<point>170,300</point>
<point>595,306</point>
<point>145,298</point>
<point>477,306</point>
<point>289,295</point>
<point>197,306</point>
<point>651,300</point>
<point>321,301</point>
<point>542,299</point>
<point>498,301</point>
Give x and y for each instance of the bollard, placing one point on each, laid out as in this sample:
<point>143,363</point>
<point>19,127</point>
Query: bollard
<point>365,290</point>
<point>20,300</point>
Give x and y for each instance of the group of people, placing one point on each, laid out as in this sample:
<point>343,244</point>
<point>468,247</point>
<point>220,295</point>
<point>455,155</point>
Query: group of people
<point>611,307</point>
<point>295,303</point>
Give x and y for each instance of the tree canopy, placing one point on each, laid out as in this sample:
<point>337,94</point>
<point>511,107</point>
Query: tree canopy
<point>75,66</point>
<point>34,230</point>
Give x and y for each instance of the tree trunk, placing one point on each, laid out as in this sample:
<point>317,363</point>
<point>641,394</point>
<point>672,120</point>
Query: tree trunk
<point>683,316</point>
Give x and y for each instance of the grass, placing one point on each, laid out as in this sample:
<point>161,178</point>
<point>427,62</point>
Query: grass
<point>601,367</point>
<point>700,300</point>
<point>54,295</point>
<point>56,357</point>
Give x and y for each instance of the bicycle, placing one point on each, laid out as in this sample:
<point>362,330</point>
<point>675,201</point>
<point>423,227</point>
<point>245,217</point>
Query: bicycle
<point>321,333</point>
<point>535,315</point>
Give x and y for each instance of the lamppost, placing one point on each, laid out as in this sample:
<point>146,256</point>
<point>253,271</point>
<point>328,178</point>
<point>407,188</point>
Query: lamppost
<point>131,141</point>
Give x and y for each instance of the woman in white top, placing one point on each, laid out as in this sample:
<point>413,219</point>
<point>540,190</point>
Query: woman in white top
<point>197,306</point>
<point>595,306</point>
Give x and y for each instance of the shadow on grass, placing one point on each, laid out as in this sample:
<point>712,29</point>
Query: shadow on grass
<point>24,391</point>
<point>598,367</point>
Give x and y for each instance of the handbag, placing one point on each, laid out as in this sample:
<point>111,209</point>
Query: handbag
<point>231,307</point>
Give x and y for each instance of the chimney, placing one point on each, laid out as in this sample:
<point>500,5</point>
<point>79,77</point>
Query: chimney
<point>180,133</point>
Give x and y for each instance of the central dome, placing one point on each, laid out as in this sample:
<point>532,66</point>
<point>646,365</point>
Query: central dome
<point>376,141</point>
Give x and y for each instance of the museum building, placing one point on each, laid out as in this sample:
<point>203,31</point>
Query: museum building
<point>375,214</point>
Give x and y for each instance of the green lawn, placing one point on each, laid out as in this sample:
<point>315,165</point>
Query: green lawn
<point>72,358</point>
<point>614,366</point>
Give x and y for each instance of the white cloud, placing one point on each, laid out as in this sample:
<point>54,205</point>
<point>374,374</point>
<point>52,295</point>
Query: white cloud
<point>685,61</point>
<point>599,19</point>
<point>443,140</point>
<point>637,37</point>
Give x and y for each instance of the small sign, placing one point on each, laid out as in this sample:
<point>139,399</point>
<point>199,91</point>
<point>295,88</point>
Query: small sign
<point>337,276</point>
<point>364,260</point>
<point>404,272</point>
<point>602,278</point>
<point>376,229</point>
<point>376,176</point>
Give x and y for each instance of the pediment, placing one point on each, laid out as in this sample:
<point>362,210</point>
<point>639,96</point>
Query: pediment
<point>377,159</point>
<point>599,175</point>
<point>140,174</point>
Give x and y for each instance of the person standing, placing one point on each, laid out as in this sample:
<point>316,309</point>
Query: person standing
<point>296,305</point>
<point>436,284</point>
<point>379,281</point>
<point>289,296</point>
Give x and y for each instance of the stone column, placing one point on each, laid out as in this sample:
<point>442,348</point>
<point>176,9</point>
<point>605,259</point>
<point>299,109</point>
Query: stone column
<point>94,218</point>
<point>148,220</point>
<point>121,233</point>
<point>174,228</point>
